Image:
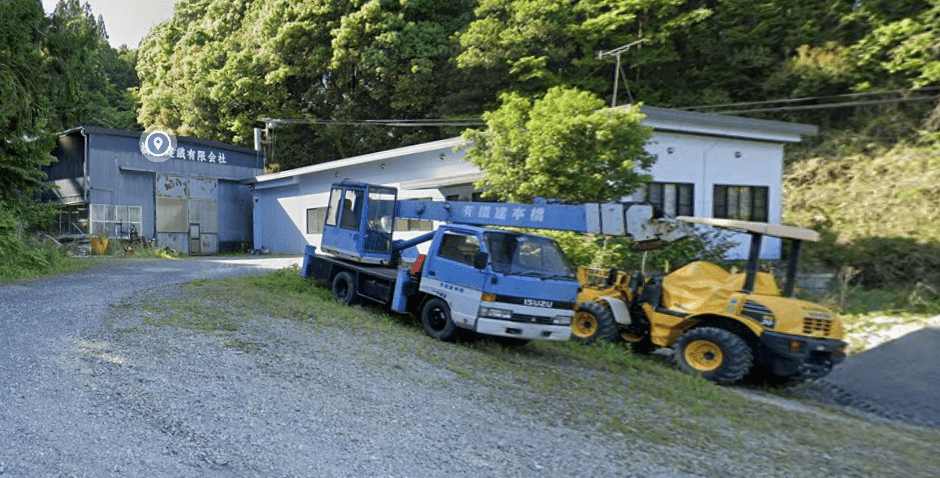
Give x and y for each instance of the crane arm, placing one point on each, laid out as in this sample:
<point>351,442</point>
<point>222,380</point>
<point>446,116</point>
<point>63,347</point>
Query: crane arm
<point>635,220</point>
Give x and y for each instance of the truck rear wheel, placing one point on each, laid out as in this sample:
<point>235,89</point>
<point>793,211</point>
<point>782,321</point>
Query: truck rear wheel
<point>713,354</point>
<point>435,318</point>
<point>594,322</point>
<point>344,288</point>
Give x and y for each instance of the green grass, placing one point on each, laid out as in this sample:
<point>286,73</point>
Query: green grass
<point>638,400</point>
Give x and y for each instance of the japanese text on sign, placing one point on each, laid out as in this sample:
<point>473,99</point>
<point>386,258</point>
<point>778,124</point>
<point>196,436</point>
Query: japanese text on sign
<point>198,155</point>
<point>503,213</point>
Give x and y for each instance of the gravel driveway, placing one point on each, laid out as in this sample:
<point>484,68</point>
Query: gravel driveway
<point>85,394</point>
<point>90,388</point>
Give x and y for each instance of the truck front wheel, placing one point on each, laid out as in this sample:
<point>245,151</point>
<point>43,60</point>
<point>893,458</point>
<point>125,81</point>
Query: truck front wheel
<point>344,288</point>
<point>435,318</point>
<point>713,354</point>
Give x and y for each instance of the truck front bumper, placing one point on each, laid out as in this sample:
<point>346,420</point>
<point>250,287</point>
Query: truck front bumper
<point>795,355</point>
<point>522,330</point>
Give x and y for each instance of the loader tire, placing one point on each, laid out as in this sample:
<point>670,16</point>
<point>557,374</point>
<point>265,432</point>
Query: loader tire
<point>344,288</point>
<point>713,354</point>
<point>437,322</point>
<point>594,322</point>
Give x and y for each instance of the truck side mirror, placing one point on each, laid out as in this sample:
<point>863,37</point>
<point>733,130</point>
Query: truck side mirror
<point>480,259</point>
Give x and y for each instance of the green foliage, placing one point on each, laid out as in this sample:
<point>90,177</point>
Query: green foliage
<point>594,251</point>
<point>876,211</point>
<point>25,139</point>
<point>217,67</point>
<point>563,146</point>
<point>22,256</point>
<point>51,79</point>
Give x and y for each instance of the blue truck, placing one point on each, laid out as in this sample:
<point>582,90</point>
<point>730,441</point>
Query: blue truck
<point>475,277</point>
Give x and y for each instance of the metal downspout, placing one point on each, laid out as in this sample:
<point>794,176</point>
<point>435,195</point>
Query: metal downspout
<point>86,187</point>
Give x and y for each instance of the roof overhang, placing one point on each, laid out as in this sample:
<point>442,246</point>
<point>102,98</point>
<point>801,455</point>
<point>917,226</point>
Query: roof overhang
<point>679,121</point>
<point>450,143</point>
<point>436,183</point>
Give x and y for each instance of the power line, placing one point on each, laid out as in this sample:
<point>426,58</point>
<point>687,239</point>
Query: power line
<point>829,105</point>
<point>809,98</point>
<point>464,122</point>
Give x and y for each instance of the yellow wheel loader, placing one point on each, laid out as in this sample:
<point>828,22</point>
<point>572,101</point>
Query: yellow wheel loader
<point>720,326</point>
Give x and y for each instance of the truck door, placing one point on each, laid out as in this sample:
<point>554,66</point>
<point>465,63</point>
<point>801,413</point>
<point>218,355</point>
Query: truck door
<point>451,275</point>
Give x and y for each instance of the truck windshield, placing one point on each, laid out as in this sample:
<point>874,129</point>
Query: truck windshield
<point>527,255</point>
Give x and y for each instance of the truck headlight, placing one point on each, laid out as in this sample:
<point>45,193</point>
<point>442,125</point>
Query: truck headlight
<point>759,312</point>
<point>561,320</point>
<point>495,313</point>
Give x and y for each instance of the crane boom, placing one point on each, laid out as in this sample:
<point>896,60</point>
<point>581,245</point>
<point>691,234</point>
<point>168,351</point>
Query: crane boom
<point>610,219</point>
<point>360,220</point>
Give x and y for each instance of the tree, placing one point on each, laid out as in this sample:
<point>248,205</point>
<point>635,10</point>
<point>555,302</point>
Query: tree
<point>529,46</point>
<point>217,67</point>
<point>26,129</point>
<point>565,145</point>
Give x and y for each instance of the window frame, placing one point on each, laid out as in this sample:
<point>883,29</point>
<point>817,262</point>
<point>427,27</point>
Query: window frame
<point>681,209</point>
<point>318,222</point>
<point>757,197</point>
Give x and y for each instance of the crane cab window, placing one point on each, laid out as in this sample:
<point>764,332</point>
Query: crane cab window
<point>459,247</point>
<point>344,211</point>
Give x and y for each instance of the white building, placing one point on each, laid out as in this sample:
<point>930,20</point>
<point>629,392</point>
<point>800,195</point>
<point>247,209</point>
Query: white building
<point>708,166</point>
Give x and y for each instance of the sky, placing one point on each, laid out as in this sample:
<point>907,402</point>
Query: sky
<point>127,21</point>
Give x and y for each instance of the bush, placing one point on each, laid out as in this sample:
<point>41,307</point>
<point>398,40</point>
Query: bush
<point>882,261</point>
<point>20,254</point>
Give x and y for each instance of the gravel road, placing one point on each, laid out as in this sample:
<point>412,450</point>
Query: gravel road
<point>87,389</point>
<point>84,394</point>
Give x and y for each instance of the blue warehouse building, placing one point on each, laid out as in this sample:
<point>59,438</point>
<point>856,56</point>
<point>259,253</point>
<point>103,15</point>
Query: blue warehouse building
<point>193,201</point>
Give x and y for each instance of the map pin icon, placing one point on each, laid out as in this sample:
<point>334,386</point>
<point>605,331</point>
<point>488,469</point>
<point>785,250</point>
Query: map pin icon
<point>158,142</point>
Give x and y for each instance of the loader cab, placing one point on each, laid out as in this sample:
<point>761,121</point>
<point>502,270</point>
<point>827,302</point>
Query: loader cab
<point>359,222</point>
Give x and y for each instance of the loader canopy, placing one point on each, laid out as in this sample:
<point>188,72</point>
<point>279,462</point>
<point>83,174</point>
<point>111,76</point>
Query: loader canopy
<point>757,230</point>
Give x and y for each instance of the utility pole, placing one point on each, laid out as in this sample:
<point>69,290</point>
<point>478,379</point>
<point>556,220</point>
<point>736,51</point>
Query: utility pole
<point>616,52</point>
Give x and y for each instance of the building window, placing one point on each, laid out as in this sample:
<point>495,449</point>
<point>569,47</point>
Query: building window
<point>672,199</point>
<point>414,224</point>
<point>121,222</point>
<point>746,203</point>
<point>315,218</point>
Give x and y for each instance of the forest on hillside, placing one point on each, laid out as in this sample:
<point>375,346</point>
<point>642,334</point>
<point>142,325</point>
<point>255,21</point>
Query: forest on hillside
<point>218,66</point>
<point>868,70</point>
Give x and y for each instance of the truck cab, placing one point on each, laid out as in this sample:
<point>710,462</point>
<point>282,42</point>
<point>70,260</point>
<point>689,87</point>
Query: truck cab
<point>497,282</point>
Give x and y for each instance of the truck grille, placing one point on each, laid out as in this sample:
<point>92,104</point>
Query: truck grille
<point>531,319</point>
<point>817,325</point>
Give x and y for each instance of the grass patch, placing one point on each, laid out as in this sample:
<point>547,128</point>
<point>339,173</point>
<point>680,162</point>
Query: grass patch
<point>634,400</point>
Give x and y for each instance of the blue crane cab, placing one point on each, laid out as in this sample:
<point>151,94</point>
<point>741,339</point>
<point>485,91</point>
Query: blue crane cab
<point>360,222</point>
